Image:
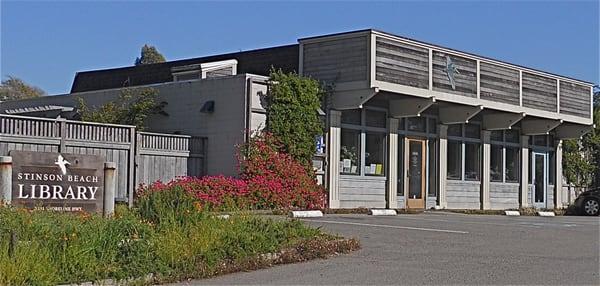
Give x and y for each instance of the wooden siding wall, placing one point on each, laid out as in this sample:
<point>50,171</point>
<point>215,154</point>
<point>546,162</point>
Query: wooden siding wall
<point>465,80</point>
<point>334,61</point>
<point>160,156</point>
<point>539,92</point>
<point>571,100</point>
<point>463,194</point>
<point>499,84</point>
<point>407,63</point>
<point>401,63</point>
<point>356,191</point>
<point>504,196</point>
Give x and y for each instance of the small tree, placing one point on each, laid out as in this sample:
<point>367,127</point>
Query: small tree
<point>133,107</point>
<point>14,89</point>
<point>581,158</point>
<point>149,55</point>
<point>292,113</point>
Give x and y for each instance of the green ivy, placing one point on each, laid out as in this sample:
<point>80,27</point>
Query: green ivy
<point>292,113</point>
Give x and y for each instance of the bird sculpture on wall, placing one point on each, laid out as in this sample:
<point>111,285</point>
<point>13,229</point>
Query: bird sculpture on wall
<point>62,164</point>
<point>451,70</point>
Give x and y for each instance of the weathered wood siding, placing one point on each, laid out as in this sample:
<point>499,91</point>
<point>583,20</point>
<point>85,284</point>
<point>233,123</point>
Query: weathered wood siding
<point>504,196</point>
<point>465,79</point>
<point>539,92</point>
<point>365,192</point>
<point>574,99</point>
<point>334,61</point>
<point>160,156</point>
<point>401,63</point>
<point>463,194</point>
<point>164,157</point>
<point>499,84</point>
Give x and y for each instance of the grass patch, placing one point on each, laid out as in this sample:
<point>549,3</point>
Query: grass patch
<point>166,234</point>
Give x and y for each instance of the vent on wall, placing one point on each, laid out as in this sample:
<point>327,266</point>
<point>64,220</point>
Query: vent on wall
<point>204,70</point>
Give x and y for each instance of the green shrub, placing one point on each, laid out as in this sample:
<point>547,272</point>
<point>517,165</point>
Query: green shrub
<point>164,234</point>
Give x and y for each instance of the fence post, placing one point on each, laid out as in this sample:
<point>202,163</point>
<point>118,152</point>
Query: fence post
<point>110,186</point>
<point>132,168</point>
<point>63,134</point>
<point>6,179</point>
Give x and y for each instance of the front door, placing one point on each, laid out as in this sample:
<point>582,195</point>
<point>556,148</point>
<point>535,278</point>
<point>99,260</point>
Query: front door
<point>539,179</point>
<point>415,198</point>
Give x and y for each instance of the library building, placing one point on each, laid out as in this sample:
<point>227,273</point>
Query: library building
<point>408,124</point>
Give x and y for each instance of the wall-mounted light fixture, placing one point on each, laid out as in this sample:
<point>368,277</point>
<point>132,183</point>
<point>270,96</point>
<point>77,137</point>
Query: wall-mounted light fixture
<point>208,107</point>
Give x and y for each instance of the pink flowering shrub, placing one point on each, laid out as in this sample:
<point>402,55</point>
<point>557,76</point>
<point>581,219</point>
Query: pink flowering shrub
<point>268,179</point>
<point>275,179</point>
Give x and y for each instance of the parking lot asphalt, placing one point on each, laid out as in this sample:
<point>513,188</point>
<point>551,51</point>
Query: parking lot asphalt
<point>446,248</point>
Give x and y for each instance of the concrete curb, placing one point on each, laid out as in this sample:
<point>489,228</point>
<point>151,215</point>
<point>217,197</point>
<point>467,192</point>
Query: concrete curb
<point>512,213</point>
<point>382,212</point>
<point>540,213</point>
<point>303,214</point>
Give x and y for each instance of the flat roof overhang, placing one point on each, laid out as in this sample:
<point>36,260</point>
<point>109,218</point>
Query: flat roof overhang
<point>455,109</point>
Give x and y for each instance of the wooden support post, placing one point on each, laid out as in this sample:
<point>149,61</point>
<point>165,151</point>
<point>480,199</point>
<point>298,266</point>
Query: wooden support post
<point>524,190</point>
<point>335,134</point>
<point>443,156</point>
<point>5,179</point>
<point>392,181</point>
<point>485,172</point>
<point>110,187</point>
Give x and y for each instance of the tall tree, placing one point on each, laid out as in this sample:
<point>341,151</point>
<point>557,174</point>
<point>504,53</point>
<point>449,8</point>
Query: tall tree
<point>149,55</point>
<point>14,88</point>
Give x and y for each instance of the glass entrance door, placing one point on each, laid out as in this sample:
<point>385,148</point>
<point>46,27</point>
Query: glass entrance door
<point>415,175</point>
<point>539,179</point>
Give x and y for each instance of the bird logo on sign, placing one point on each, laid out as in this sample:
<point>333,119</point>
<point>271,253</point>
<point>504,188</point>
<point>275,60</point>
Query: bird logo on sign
<point>451,70</point>
<point>62,164</point>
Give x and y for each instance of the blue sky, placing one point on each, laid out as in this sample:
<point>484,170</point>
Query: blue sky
<point>46,43</point>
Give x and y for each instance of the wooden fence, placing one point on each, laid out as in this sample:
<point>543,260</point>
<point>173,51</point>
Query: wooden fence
<point>164,157</point>
<point>141,157</point>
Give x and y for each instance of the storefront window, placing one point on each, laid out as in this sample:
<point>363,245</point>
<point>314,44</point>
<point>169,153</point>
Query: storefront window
<point>540,140</point>
<point>351,116</point>
<point>401,124</point>
<point>432,128</point>
<point>472,131</point>
<point>496,135</point>
<point>512,136</point>
<point>375,118</point>
<point>551,167</point>
<point>432,168</point>
<point>417,124</point>
<point>472,159</point>
<point>512,164</point>
<point>455,130</point>
<point>400,187</point>
<point>496,163</point>
<point>374,154</point>
<point>350,152</point>
<point>454,160</point>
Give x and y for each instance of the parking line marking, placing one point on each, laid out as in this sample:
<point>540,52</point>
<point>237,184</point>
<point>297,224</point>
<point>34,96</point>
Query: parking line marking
<point>391,226</point>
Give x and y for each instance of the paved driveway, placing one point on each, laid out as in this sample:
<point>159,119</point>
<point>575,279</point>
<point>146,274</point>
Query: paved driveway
<point>446,248</point>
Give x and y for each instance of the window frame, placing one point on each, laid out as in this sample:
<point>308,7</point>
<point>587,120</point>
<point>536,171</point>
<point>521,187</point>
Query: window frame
<point>462,139</point>
<point>364,129</point>
<point>548,149</point>
<point>504,145</point>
